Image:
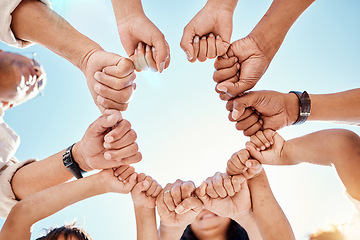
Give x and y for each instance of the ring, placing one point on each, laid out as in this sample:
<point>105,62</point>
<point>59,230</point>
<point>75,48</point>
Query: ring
<point>167,191</point>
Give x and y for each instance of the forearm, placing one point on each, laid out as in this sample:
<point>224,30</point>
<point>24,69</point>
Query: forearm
<point>28,211</point>
<point>145,223</point>
<point>269,216</point>
<point>342,106</point>
<point>270,32</point>
<point>337,147</point>
<point>125,8</point>
<point>226,4</point>
<point>170,233</point>
<point>247,221</point>
<point>42,174</point>
<point>45,27</point>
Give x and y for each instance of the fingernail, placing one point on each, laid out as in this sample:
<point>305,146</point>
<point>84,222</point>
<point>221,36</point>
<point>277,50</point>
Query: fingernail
<point>258,149</point>
<point>267,144</point>
<point>107,156</point>
<point>135,51</point>
<point>162,66</point>
<point>238,66</point>
<point>248,164</point>
<point>153,49</point>
<point>196,39</point>
<point>179,209</point>
<point>211,35</point>
<point>188,55</point>
<point>147,48</point>
<point>96,76</point>
<point>110,117</point>
<point>140,45</point>
<point>203,38</point>
<point>235,114</point>
<point>222,88</point>
<point>116,174</point>
<point>97,88</point>
<point>236,59</point>
<point>109,139</point>
<point>261,121</point>
<point>271,143</point>
<point>120,178</point>
<point>263,148</point>
<point>100,99</point>
<point>218,37</point>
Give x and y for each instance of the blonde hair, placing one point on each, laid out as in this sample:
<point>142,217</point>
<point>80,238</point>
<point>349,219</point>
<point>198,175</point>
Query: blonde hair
<point>335,232</point>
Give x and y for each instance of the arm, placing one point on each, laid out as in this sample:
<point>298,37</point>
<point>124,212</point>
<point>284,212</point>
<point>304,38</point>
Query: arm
<point>256,51</point>
<point>134,27</point>
<point>90,153</point>
<point>27,212</point>
<point>336,147</point>
<point>144,196</point>
<point>269,216</point>
<point>45,27</point>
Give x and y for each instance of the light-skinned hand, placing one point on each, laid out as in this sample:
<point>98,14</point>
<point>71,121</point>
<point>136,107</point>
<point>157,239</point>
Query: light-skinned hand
<point>145,192</point>
<point>108,142</point>
<point>113,184</point>
<point>242,163</point>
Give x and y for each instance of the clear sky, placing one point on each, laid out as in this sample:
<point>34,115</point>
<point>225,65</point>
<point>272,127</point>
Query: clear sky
<point>182,126</point>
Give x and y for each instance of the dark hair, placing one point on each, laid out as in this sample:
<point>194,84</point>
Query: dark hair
<point>68,231</point>
<point>234,232</point>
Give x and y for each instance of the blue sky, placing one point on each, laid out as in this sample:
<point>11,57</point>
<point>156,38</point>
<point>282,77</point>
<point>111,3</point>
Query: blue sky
<point>182,125</point>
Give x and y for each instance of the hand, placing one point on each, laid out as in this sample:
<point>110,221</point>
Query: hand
<point>266,147</point>
<point>137,28</point>
<point>177,206</point>
<point>274,110</point>
<point>145,192</point>
<point>144,58</point>
<point>213,25</point>
<point>108,142</point>
<point>252,65</point>
<point>113,183</point>
<point>110,79</point>
<point>241,163</point>
<point>225,195</point>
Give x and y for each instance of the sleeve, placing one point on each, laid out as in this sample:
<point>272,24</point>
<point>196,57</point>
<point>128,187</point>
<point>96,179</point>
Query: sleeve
<point>6,34</point>
<point>7,196</point>
<point>352,231</point>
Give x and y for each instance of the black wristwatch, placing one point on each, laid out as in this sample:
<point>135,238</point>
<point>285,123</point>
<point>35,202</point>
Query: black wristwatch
<point>70,164</point>
<point>305,106</point>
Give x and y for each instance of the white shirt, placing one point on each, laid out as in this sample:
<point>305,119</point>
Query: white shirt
<point>6,34</point>
<point>352,231</point>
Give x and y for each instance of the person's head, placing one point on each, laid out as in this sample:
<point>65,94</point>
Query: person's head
<point>66,232</point>
<point>208,224</point>
<point>21,79</point>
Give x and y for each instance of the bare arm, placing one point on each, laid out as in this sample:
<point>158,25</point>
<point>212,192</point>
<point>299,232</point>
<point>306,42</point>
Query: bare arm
<point>269,216</point>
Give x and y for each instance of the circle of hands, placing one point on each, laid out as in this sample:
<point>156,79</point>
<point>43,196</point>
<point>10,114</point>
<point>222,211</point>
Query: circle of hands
<point>109,143</point>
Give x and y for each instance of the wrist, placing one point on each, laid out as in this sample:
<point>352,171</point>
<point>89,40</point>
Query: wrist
<point>79,157</point>
<point>123,12</point>
<point>228,5</point>
<point>292,107</point>
<point>244,218</point>
<point>171,228</point>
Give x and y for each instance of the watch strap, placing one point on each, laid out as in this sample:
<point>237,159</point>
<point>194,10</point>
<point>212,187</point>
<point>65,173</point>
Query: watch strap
<point>70,164</point>
<point>305,106</point>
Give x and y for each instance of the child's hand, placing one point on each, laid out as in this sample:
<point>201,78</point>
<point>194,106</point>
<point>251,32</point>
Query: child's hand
<point>143,58</point>
<point>241,163</point>
<point>266,147</point>
<point>120,180</point>
<point>145,192</point>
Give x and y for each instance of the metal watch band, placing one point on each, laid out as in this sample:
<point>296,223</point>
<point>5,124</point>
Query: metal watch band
<point>70,164</point>
<point>305,106</point>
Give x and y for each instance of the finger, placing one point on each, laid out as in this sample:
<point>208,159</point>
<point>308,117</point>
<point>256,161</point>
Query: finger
<point>119,154</point>
<point>221,46</point>
<point>104,122</point>
<point>269,134</point>
<point>140,57</point>
<point>123,127</point>
<point>254,152</point>
<point>246,114</point>
<point>236,181</point>
<point>247,122</point>
<point>161,51</point>
<point>257,142</point>
<point>231,169</point>
<point>224,96</point>
<point>261,136</point>
<point>221,63</point>
<point>196,47</point>
<point>168,200</point>
<point>149,58</point>
<point>157,191</point>
<point>110,104</point>
<point>126,174</point>
<point>203,49</point>
<point>253,129</point>
<point>191,203</point>
<point>211,46</point>
<point>167,62</point>
<point>115,83</point>
<point>131,160</point>
<point>130,183</point>
<point>118,96</point>
<point>187,188</point>
<point>225,74</point>
<point>152,187</point>
<point>160,204</point>
<point>176,192</point>
<point>228,185</point>
<point>201,190</point>
<point>126,140</point>
<point>120,170</point>
<point>210,189</point>
<point>124,68</point>
<point>186,43</point>
<point>141,177</point>
<point>140,187</point>
<point>254,167</point>
<point>217,181</point>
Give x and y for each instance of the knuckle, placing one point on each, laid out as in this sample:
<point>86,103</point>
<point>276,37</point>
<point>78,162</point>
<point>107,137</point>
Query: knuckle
<point>126,124</point>
<point>127,64</point>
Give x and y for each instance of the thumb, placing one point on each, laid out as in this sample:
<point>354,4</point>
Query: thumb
<point>109,118</point>
<point>190,203</point>
<point>140,187</point>
<point>221,46</point>
<point>234,88</point>
<point>253,152</point>
<point>254,167</point>
<point>186,43</point>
